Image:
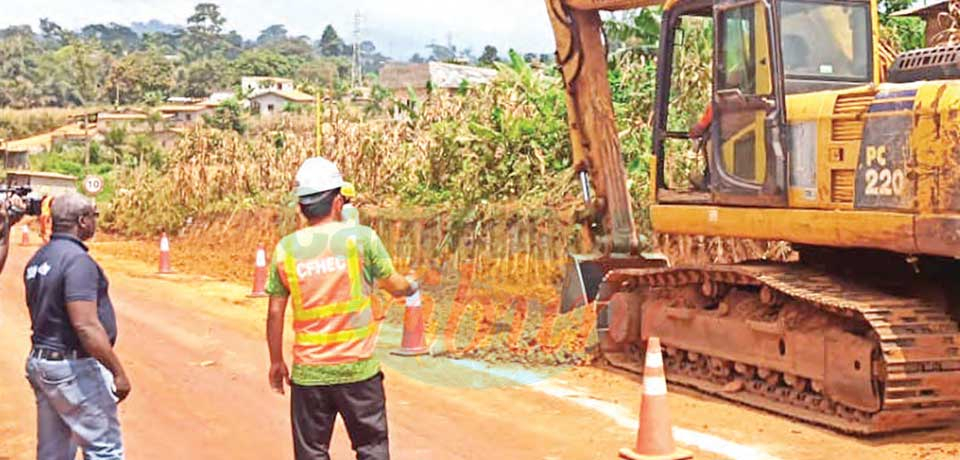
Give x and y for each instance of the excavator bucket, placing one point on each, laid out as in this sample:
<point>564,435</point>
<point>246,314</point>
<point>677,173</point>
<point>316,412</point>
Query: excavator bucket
<point>584,273</point>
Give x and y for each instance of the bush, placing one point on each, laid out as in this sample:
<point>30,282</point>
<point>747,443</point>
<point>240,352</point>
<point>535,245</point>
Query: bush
<point>70,159</point>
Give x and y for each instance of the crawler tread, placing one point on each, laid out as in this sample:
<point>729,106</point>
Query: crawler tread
<point>920,344</point>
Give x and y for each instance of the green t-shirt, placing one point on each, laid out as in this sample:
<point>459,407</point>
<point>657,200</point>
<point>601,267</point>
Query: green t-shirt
<point>310,242</point>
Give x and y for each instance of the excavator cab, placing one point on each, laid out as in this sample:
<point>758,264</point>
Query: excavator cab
<point>762,51</point>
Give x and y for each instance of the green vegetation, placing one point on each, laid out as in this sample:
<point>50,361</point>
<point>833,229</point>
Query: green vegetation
<point>460,152</point>
<point>903,33</point>
<point>112,64</point>
<point>229,116</point>
<point>79,161</point>
<point>491,145</point>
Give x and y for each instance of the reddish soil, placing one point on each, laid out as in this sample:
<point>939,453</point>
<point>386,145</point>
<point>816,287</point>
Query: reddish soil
<point>197,360</point>
<point>195,351</point>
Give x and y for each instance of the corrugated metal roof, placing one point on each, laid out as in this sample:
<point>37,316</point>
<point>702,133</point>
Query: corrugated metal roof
<point>121,116</point>
<point>923,10</point>
<point>445,75</point>
<point>274,79</point>
<point>292,95</point>
<point>49,175</point>
<point>440,74</point>
<point>182,107</point>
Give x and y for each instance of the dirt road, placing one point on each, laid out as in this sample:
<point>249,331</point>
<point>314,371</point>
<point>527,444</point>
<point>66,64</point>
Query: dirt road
<point>195,351</point>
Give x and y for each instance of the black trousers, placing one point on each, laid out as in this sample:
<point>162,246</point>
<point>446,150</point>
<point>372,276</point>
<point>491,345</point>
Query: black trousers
<point>362,406</point>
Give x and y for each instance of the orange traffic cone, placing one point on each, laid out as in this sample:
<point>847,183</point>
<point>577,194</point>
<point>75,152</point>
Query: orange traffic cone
<point>655,434</point>
<point>165,255</point>
<point>24,235</point>
<point>413,343</point>
<point>259,273</point>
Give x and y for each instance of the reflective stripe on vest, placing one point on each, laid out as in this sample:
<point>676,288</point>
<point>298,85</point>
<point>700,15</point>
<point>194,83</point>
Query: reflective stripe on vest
<point>357,304</point>
<point>334,337</point>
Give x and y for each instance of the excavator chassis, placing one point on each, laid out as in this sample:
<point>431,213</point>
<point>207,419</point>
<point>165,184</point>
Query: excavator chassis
<point>792,340</point>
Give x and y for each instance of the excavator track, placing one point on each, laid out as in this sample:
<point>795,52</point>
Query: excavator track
<point>792,340</point>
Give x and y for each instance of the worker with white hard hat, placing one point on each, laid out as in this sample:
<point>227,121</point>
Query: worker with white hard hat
<point>327,271</point>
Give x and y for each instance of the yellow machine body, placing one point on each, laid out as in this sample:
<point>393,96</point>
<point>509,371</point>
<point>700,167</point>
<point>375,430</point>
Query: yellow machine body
<point>877,168</point>
<point>858,331</point>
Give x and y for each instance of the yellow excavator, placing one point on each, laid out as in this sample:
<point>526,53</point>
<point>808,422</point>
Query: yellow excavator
<point>809,142</point>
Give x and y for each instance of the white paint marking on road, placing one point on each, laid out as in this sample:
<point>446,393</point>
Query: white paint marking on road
<point>620,415</point>
<point>629,420</point>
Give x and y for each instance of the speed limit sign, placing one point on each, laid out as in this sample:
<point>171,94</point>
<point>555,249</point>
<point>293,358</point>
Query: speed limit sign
<point>93,184</point>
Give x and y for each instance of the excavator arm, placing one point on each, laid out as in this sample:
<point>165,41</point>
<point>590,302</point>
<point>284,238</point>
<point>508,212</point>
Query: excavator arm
<point>597,159</point>
<point>611,238</point>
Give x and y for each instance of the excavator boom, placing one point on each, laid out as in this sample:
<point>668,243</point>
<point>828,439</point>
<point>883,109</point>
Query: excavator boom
<point>610,5</point>
<point>582,58</point>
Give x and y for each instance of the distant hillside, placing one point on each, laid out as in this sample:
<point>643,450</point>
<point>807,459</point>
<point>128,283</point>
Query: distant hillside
<point>153,26</point>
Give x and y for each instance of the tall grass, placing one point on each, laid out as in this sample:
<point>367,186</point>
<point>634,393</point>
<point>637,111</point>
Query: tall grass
<point>503,145</point>
<point>505,142</point>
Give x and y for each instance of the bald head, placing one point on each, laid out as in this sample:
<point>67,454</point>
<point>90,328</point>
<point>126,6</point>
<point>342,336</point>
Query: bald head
<point>67,210</point>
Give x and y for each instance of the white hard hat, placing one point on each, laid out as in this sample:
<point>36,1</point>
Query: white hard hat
<point>317,175</point>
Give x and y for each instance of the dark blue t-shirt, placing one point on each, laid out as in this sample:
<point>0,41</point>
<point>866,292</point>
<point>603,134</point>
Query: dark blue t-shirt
<point>58,273</point>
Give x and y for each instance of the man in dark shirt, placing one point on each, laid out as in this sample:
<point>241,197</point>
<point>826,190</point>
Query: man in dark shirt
<point>75,375</point>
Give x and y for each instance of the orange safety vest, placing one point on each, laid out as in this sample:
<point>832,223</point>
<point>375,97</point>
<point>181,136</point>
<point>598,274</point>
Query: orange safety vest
<point>332,314</point>
<point>45,205</point>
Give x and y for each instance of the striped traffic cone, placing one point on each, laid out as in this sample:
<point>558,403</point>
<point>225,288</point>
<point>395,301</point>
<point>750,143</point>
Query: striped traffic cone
<point>413,343</point>
<point>24,235</point>
<point>165,255</point>
<point>259,273</point>
<point>655,434</point>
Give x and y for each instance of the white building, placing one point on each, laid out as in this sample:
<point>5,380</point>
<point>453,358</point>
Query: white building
<point>218,97</point>
<point>257,85</point>
<point>43,183</point>
<point>186,113</point>
<point>269,102</point>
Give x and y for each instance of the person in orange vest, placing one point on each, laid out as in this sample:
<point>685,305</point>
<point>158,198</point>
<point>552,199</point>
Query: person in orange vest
<point>46,219</point>
<point>328,271</point>
<point>11,211</point>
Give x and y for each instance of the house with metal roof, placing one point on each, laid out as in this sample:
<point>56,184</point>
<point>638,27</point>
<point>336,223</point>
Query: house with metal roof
<point>186,113</point>
<point>272,101</point>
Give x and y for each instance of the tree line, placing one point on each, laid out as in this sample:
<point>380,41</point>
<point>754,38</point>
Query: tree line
<point>113,64</point>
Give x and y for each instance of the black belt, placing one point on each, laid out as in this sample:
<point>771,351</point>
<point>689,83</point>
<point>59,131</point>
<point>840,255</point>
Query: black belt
<point>56,355</point>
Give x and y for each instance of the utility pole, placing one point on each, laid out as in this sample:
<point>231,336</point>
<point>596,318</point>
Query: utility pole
<point>319,116</point>
<point>356,74</point>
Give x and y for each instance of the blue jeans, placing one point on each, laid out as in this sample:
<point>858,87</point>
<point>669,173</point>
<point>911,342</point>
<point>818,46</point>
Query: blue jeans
<point>76,407</point>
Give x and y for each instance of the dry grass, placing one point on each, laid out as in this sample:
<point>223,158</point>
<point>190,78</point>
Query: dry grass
<point>453,153</point>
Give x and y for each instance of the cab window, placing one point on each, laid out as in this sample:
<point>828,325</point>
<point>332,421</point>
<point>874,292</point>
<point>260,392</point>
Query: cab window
<point>826,41</point>
<point>737,52</point>
<point>745,60</point>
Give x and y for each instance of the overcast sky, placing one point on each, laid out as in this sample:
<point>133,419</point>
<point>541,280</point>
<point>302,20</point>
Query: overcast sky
<point>397,27</point>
